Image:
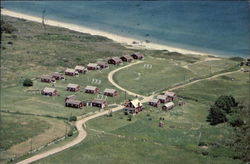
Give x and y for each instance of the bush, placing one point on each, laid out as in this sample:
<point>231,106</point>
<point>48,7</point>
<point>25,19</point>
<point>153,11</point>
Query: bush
<point>72,118</point>
<point>216,115</point>
<point>27,82</point>
<point>70,133</point>
<point>7,28</point>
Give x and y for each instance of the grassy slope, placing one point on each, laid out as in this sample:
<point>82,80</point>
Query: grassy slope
<point>142,141</point>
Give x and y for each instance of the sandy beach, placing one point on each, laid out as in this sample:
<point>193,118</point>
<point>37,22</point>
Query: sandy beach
<point>128,42</point>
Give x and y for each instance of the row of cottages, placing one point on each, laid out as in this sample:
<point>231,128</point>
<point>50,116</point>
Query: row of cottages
<point>52,77</point>
<point>133,107</point>
<point>106,92</point>
<point>165,98</point>
<point>125,58</point>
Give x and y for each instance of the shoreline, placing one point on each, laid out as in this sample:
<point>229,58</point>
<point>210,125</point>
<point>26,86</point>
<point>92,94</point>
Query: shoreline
<point>125,41</point>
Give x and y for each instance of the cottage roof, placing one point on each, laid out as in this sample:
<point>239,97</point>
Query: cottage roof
<point>170,94</point>
<point>73,101</point>
<point>90,88</point>
<point>79,67</point>
<point>101,63</point>
<point>117,59</point>
<point>169,104</point>
<point>99,101</point>
<point>49,90</point>
<point>71,97</point>
<point>162,97</point>
<point>138,54</point>
<point>127,56</point>
<point>136,103</point>
<point>109,90</point>
<point>70,85</point>
<point>70,70</point>
<point>46,77</point>
<point>92,65</point>
<point>154,101</point>
<point>56,74</point>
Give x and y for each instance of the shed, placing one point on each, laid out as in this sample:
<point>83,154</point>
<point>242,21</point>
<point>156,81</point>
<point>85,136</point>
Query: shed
<point>92,66</point>
<point>115,61</point>
<point>171,95</point>
<point>168,106</point>
<point>162,98</point>
<point>57,75</point>
<point>71,72</point>
<point>80,69</point>
<point>49,91</point>
<point>73,87</point>
<point>133,107</point>
<point>127,58</point>
<point>154,102</point>
<point>102,64</point>
<point>99,103</point>
<point>47,79</point>
<point>73,103</point>
<point>138,56</point>
<point>91,89</point>
<point>110,92</point>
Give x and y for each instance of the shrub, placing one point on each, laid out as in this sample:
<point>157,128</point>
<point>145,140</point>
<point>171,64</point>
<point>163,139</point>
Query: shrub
<point>70,133</point>
<point>216,115</point>
<point>7,28</point>
<point>72,118</point>
<point>27,82</point>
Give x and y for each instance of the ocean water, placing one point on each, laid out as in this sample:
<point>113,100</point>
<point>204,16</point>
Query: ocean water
<point>217,27</point>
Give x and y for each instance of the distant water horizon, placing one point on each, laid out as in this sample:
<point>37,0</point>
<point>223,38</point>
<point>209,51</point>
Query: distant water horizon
<point>220,28</point>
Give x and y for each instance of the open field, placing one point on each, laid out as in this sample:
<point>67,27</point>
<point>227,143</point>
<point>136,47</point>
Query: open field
<point>22,133</point>
<point>157,74</point>
<point>142,141</point>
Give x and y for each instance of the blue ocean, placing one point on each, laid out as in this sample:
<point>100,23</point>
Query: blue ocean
<point>217,27</point>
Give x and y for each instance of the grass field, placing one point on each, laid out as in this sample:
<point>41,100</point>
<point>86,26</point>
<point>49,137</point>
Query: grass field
<point>21,133</point>
<point>157,74</point>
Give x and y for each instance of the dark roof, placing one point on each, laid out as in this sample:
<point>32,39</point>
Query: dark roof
<point>117,59</point>
<point>138,54</point>
<point>127,56</point>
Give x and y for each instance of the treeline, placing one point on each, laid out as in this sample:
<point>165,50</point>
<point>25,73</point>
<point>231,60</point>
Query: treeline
<point>227,110</point>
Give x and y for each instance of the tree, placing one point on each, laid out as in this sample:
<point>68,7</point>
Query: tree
<point>27,82</point>
<point>72,118</point>
<point>226,103</point>
<point>216,115</point>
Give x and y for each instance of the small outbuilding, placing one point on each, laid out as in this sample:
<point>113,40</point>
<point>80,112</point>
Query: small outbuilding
<point>99,103</point>
<point>102,64</point>
<point>133,107</point>
<point>47,79</point>
<point>171,95</point>
<point>154,102</point>
<point>137,56</point>
<point>162,98</point>
<point>49,91</point>
<point>92,66</point>
<point>71,72</point>
<point>110,92</point>
<point>168,106</point>
<point>70,97</point>
<point>115,61</point>
<point>127,58</point>
<point>57,75</point>
<point>73,87</point>
<point>73,103</point>
<point>91,89</point>
<point>80,69</point>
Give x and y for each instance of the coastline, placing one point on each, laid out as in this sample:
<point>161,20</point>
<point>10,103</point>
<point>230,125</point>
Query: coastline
<point>125,41</point>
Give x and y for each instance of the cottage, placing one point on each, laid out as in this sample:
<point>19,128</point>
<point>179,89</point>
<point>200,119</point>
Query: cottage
<point>80,69</point>
<point>73,87</point>
<point>47,79</point>
<point>91,90</point>
<point>162,98</point>
<point>102,64</point>
<point>127,58</point>
<point>133,107</point>
<point>168,106</point>
<point>137,56</point>
<point>70,97</point>
<point>115,61</point>
<point>99,103</point>
<point>57,75</point>
<point>110,92</point>
<point>154,102</point>
<point>49,91</point>
<point>171,95</point>
<point>71,72</point>
<point>92,66</point>
<point>73,103</point>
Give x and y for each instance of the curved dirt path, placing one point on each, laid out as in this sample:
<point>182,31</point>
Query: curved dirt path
<point>110,78</point>
<point>79,124</point>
